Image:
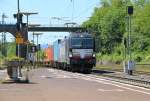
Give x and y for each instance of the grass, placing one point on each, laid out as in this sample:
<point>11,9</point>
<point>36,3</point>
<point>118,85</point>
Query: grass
<point>1,81</point>
<point>143,68</point>
<point>109,67</point>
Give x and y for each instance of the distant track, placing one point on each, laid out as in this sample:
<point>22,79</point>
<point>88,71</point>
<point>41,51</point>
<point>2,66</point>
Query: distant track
<point>133,80</point>
<point>120,70</point>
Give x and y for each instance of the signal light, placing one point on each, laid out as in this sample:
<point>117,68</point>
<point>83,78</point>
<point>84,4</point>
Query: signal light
<point>130,10</point>
<point>94,55</point>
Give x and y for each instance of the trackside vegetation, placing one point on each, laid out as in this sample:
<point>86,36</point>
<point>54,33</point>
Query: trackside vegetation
<point>109,24</point>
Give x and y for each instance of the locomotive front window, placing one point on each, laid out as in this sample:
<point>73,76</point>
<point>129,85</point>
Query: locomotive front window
<point>88,43</point>
<point>82,43</point>
<point>76,42</point>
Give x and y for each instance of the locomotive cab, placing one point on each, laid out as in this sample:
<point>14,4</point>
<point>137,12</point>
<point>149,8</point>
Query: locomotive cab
<point>82,52</point>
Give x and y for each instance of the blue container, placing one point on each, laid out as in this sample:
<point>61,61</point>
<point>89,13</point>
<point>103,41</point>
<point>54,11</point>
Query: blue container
<point>56,50</point>
<point>63,51</point>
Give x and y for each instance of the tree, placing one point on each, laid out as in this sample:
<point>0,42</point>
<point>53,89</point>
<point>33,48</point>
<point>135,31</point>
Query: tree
<point>109,22</point>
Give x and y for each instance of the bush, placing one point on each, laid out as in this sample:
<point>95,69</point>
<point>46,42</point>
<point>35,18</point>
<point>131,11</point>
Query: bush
<point>138,57</point>
<point>14,58</point>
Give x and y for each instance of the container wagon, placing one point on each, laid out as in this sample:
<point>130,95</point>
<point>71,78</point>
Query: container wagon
<point>63,54</point>
<point>49,59</point>
<point>56,51</point>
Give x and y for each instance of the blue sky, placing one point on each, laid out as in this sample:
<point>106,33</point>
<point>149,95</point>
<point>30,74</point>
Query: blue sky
<point>48,9</point>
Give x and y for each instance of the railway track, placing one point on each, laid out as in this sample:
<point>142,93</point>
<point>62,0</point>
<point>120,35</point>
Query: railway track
<point>121,70</point>
<point>136,80</point>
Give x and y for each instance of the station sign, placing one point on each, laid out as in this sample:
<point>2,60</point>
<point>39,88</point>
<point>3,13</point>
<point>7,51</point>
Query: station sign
<point>19,38</point>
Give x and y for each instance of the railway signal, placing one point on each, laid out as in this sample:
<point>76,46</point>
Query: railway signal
<point>130,10</point>
<point>129,66</point>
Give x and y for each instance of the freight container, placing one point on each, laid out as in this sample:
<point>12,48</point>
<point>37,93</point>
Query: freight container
<point>56,50</point>
<point>63,53</point>
<point>49,57</point>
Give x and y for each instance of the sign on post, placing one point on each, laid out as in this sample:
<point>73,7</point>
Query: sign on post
<point>19,39</point>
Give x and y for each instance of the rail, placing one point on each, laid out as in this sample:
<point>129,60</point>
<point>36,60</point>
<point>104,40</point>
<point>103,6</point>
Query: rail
<point>127,79</point>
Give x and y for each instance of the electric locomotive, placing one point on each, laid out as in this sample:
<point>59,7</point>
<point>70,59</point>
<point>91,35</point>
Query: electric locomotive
<point>81,55</point>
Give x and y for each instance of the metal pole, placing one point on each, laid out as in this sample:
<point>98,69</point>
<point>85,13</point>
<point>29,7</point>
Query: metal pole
<point>27,43</point>
<point>4,35</point>
<point>33,37</point>
<point>18,54</point>
<point>130,62</point>
<point>33,53</point>
<point>5,51</point>
<point>18,6</point>
<point>37,36</point>
<point>130,38</point>
<point>27,53</point>
<point>72,9</point>
<point>37,51</point>
<point>27,22</point>
<point>18,18</point>
<point>2,43</point>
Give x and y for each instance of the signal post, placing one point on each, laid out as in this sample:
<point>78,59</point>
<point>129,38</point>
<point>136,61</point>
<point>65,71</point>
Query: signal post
<point>129,65</point>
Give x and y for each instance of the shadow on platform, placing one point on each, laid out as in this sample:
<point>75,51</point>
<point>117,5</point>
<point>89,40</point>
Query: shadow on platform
<point>17,82</point>
<point>102,71</point>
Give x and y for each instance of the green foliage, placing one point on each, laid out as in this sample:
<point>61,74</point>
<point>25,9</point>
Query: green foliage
<point>11,49</point>
<point>147,58</point>
<point>14,58</point>
<point>109,24</point>
<point>41,54</point>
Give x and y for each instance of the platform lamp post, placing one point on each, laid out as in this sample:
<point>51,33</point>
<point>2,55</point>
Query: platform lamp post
<point>27,14</point>
<point>4,36</point>
<point>37,35</point>
<point>18,2</point>
<point>33,25</point>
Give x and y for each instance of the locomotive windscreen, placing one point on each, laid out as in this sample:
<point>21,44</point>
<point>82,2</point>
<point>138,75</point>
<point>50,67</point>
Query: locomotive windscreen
<point>86,43</point>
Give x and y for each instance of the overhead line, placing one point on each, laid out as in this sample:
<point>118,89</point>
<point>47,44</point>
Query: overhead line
<point>85,11</point>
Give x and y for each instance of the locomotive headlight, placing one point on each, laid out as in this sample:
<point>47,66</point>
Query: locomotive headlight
<point>70,55</point>
<point>94,55</point>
